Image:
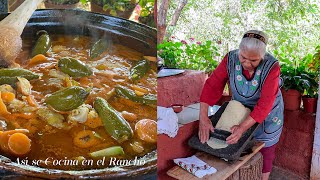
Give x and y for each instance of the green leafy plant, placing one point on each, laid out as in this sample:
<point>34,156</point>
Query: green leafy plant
<point>114,6</point>
<point>315,63</point>
<point>189,55</point>
<point>171,52</point>
<point>147,7</point>
<point>298,75</point>
<point>311,87</point>
<point>147,12</point>
<point>293,78</point>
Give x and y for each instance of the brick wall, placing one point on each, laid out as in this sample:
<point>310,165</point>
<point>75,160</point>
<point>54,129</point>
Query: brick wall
<point>294,150</point>
<point>181,89</point>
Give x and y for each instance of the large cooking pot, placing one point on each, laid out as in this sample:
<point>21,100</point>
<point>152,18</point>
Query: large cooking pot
<point>76,22</point>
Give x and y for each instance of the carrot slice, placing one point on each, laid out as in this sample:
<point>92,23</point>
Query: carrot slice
<point>7,96</point>
<point>137,88</point>
<point>93,120</point>
<point>4,138</point>
<point>139,93</point>
<point>146,130</point>
<point>4,142</point>
<point>3,107</point>
<point>85,139</point>
<point>19,144</point>
<point>130,117</point>
<point>32,101</point>
<point>38,59</point>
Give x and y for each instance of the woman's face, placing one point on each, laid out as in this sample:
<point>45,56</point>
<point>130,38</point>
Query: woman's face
<point>249,59</point>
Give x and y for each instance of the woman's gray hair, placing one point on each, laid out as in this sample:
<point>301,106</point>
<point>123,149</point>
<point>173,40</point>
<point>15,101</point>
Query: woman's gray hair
<point>251,43</point>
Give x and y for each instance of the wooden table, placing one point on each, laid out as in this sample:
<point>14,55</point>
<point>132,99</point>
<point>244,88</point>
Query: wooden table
<point>224,169</point>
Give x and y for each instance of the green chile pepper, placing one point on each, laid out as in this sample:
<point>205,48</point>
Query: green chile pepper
<point>148,99</point>
<point>98,48</point>
<point>139,70</point>
<point>42,45</point>
<point>67,99</point>
<point>115,125</point>
<point>74,68</point>
<point>9,75</point>
<point>8,80</point>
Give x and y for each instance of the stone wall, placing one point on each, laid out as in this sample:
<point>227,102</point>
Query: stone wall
<point>294,150</point>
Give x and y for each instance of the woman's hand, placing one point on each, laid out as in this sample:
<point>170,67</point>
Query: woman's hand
<point>237,132</point>
<point>205,126</point>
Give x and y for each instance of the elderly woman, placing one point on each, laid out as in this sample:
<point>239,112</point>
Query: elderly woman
<point>254,81</point>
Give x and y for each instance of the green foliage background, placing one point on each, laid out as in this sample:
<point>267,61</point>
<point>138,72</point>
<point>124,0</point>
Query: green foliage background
<point>293,27</point>
<point>293,24</point>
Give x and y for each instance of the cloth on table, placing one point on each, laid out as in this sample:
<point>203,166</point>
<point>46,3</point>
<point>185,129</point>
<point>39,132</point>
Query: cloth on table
<point>167,121</point>
<point>195,166</point>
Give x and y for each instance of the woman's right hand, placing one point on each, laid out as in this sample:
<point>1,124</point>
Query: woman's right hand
<point>205,124</point>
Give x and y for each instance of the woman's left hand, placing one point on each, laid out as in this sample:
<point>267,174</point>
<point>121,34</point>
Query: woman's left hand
<point>237,132</point>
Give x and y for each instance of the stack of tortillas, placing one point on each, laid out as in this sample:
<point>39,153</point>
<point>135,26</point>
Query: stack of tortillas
<point>234,114</point>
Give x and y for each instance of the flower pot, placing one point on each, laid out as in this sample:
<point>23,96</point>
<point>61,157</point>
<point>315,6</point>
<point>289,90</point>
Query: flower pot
<point>310,104</point>
<point>67,4</point>
<point>291,99</point>
<point>97,6</point>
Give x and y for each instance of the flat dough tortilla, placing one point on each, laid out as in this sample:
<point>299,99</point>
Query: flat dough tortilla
<point>234,114</point>
<point>215,143</point>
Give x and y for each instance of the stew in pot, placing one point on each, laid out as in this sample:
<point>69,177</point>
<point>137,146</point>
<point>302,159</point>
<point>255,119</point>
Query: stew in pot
<point>75,99</point>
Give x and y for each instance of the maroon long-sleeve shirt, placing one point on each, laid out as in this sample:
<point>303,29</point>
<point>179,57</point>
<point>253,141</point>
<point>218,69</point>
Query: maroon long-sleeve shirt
<point>213,89</point>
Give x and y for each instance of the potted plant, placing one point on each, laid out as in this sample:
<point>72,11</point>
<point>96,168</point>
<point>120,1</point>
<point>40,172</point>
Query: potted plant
<point>119,8</point>
<point>311,89</point>
<point>147,12</point>
<point>294,72</point>
<point>292,89</point>
<point>61,4</point>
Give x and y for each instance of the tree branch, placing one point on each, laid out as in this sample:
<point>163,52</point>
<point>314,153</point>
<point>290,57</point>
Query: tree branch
<point>162,17</point>
<point>177,12</point>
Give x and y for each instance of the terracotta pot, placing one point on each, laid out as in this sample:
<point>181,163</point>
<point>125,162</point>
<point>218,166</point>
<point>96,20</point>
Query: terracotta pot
<point>291,99</point>
<point>96,7</point>
<point>310,104</point>
<point>51,5</point>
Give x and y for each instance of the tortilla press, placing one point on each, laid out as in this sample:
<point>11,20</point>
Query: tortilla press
<point>220,134</point>
<point>233,151</point>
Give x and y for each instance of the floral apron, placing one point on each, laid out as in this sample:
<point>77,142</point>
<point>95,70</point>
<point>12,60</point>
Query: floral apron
<point>248,93</point>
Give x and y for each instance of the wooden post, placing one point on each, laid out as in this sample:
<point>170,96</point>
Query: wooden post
<point>315,164</point>
<point>252,170</point>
